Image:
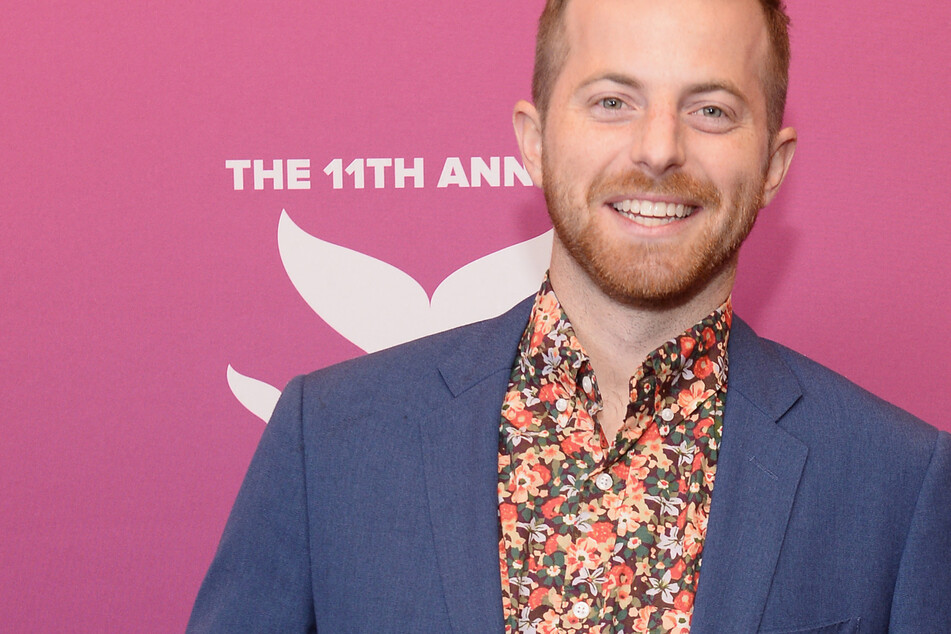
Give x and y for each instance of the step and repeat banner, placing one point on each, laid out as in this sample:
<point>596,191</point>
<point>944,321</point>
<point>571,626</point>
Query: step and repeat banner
<point>202,200</point>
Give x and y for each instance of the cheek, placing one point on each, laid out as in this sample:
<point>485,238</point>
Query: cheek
<point>730,158</point>
<point>577,151</point>
<point>729,170</point>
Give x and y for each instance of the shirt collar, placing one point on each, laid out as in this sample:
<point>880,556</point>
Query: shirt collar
<point>696,358</point>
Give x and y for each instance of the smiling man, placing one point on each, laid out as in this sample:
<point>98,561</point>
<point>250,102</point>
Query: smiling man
<point>617,453</point>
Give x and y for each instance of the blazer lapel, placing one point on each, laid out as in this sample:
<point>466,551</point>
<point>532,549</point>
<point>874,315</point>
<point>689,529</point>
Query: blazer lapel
<point>758,470</point>
<point>460,442</point>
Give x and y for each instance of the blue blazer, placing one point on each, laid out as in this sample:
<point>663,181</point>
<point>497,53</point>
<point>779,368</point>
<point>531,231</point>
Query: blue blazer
<point>371,506</point>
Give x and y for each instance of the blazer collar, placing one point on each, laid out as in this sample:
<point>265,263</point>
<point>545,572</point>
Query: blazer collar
<point>758,470</point>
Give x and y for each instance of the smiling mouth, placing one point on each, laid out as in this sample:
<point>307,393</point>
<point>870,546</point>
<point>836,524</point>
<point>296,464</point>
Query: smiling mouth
<point>652,214</point>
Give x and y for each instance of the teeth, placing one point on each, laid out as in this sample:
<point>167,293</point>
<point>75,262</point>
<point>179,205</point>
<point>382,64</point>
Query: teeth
<point>645,209</point>
<point>651,222</point>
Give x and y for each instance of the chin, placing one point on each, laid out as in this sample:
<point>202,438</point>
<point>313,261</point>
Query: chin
<point>653,275</point>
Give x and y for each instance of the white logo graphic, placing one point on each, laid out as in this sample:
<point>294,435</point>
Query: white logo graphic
<point>346,289</point>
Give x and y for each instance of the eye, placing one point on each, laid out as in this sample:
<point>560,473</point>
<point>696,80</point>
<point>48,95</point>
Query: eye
<point>714,115</point>
<point>611,103</point>
<point>712,111</point>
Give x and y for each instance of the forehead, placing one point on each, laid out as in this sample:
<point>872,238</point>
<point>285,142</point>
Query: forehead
<point>668,40</point>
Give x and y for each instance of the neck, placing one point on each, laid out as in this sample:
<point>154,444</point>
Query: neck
<point>618,337</point>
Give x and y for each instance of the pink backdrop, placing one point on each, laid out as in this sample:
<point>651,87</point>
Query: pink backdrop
<point>133,273</point>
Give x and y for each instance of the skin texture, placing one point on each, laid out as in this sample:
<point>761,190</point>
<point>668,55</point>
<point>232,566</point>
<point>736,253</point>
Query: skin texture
<point>660,101</point>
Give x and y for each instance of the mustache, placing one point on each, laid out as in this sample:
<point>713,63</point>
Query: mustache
<point>689,189</point>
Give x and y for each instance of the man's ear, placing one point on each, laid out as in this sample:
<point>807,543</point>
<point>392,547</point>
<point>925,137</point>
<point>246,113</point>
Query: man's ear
<point>782,149</point>
<point>528,131</point>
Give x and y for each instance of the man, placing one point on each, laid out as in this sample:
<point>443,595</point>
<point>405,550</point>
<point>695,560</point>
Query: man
<point>554,469</point>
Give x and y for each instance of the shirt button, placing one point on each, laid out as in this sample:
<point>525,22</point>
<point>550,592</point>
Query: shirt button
<point>604,481</point>
<point>581,609</point>
<point>561,405</point>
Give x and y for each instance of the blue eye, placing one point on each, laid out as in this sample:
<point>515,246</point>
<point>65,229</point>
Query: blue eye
<point>612,103</point>
<point>712,111</point>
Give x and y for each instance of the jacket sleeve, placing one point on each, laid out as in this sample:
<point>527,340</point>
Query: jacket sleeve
<point>259,580</point>
<point>922,598</point>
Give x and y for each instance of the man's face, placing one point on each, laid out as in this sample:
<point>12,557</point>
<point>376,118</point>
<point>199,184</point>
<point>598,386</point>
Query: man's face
<point>655,155</point>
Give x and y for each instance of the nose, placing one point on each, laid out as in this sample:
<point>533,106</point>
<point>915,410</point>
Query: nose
<point>657,145</point>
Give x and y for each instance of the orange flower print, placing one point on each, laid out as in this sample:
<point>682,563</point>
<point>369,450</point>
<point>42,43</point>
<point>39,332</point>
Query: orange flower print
<point>624,598</point>
<point>620,575</point>
<point>627,519</point>
<point>552,453</point>
<point>548,309</point>
<point>535,599</point>
<point>551,508</point>
<point>702,428</point>
<point>677,571</point>
<point>689,399</point>
<point>700,517</point>
<point>575,536</point>
<point>514,400</point>
<point>508,515</point>
<point>523,483</point>
<point>642,622</point>
<point>549,624</point>
<point>544,474</point>
<point>522,419</point>
<point>686,346</point>
<point>582,553</point>
<point>611,501</point>
<point>636,496</point>
<point>549,393</point>
<point>639,467</point>
<point>537,338</point>
<point>703,367</point>
<point>663,461</point>
<point>684,600</point>
<point>570,622</point>
<point>601,532</point>
<point>676,621</point>
<point>693,541</point>
<point>572,444</point>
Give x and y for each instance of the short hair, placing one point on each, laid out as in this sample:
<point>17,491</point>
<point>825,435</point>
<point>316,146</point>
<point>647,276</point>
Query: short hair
<point>551,51</point>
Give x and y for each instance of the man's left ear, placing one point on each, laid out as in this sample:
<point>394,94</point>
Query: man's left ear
<point>528,131</point>
<point>782,148</point>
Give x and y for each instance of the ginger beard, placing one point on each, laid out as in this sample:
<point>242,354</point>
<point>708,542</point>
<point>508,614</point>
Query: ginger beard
<point>653,273</point>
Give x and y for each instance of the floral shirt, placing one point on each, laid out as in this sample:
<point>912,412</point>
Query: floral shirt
<point>599,536</point>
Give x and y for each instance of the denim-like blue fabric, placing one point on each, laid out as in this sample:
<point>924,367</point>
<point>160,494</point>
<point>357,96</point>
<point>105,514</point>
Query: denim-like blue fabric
<point>370,504</point>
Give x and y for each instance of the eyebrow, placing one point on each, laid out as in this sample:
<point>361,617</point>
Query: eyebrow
<point>694,89</point>
<point>617,78</point>
<point>718,86</point>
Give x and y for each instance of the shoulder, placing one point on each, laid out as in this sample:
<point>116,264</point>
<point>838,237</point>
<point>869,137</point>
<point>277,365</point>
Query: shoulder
<point>870,501</point>
<point>833,414</point>
<point>419,370</point>
<point>829,390</point>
